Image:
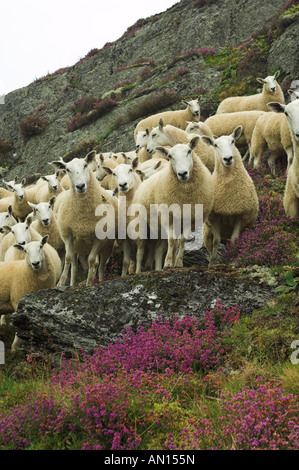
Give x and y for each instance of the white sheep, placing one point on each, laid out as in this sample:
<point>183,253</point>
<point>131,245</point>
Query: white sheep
<point>235,206</point>
<point>148,168</point>
<point>107,181</point>
<point>128,182</point>
<point>45,223</point>
<point>198,128</point>
<point>17,278</point>
<point>141,147</point>
<point>18,201</point>
<point>291,194</point>
<point>48,187</point>
<point>77,219</point>
<point>170,135</point>
<point>176,118</point>
<point>6,219</point>
<point>271,131</point>
<point>225,123</point>
<point>184,181</point>
<point>271,92</point>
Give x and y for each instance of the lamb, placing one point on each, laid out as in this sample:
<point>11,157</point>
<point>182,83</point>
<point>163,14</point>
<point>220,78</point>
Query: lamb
<point>127,182</point>
<point>18,201</point>
<point>78,220</point>
<point>170,135</point>
<point>35,272</point>
<point>175,118</point>
<point>235,206</point>
<point>107,181</point>
<point>271,92</point>
<point>199,128</point>
<point>141,147</point>
<point>45,223</point>
<point>225,123</point>
<point>148,168</point>
<point>185,180</point>
<point>291,194</point>
<point>272,131</point>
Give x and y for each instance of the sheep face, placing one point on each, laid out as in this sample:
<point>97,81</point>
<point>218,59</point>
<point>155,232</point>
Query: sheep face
<point>291,112</point>
<point>17,188</point>
<point>124,175</point>
<point>52,181</point>
<point>194,106</point>
<point>34,253</point>
<point>158,136</point>
<point>78,171</point>
<point>21,231</point>
<point>181,159</point>
<point>270,82</point>
<point>43,211</point>
<point>225,146</point>
<point>6,218</point>
<point>141,139</point>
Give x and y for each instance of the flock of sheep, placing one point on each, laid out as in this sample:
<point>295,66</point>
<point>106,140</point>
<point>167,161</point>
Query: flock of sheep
<point>73,215</point>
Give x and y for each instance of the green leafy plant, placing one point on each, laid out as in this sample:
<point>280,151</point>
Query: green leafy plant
<point>291,279</point>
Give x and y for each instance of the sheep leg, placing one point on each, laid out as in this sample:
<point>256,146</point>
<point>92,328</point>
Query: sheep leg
<point>104,256</point>
<point>126,257</point>
<point>16,343</point>
<point>159,252</point>
<point>271,163</point>
<point>139,254</point>
<point>70,257</point>
<point>290,156</point>
<point>168,263</point>
<point>216,242</point>
<point>3,320</point>
<point>236,231</point>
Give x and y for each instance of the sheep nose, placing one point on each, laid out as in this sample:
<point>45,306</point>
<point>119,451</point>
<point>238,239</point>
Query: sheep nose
<point>183,175</point>
<point>123,186</point>
<point>273,89</point>
<point>55,188</point>
<point>45,221</point>
<point>196,113</point>
<point>35,264</point>
<point>80,187</point>
<point>21,197</point>
<point>228,160</point>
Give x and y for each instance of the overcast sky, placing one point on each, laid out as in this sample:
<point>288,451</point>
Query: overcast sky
<point>38,37</point>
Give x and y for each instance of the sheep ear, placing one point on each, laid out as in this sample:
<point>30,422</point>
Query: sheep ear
<point>52,201</point>
<point>44,240</point>
<point>44,178</point>
<point>185,102</point>
<point>161,123</point>
<point>8,186</point>
<point>237,132</point>
<point>163,151</point>
<point>207,139</point>
<point>101,157</point>
<point>198,99</point>
<point>135,163</point>
<point>9,210</point>
<point>108,170</point>
<point>260,80</point>
<point>193,142</point>
<point>90,157</point>
<point>276,107</point>
<point>29,220</point>
<point>60,165</point>
<point>6,228</point>
<point>32,205</point>
<point>19,247</point>
<point>115,190</point>
<point>23,181</point>
<point>147,131</point>
<point>158,164</point>
<point>277,73</point>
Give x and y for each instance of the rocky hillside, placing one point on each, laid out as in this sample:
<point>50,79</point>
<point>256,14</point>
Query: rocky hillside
<point>212,48</point>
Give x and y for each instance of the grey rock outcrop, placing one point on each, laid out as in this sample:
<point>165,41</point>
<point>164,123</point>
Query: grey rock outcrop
<point>51,322</point>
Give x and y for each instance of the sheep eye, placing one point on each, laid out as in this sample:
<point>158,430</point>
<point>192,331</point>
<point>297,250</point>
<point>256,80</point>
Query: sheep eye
<point>233,141</point>
<point>154,135</point>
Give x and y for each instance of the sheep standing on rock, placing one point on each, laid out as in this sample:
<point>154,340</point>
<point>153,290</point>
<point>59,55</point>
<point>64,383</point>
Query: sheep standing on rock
<point>291,195</point>
<point>17,278</point>
<point>235,206</point>
<point>184,181</point>
<point>271,92</point>
<point>77,219</point>
<point>175,118</point>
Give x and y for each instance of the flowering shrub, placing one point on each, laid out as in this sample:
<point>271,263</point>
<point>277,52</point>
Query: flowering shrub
<point>261,419</point>
<point>33,125</point>
<point>87,115</point>
<point>178,73</point>
<point>121,391</point>
<point>272,241</point>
